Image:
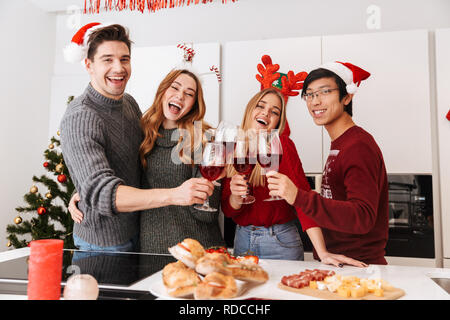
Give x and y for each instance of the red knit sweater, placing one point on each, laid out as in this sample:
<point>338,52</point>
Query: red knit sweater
<point>353,208</point>
<point>268,213</point>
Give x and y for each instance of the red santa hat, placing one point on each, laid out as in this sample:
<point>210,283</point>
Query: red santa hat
<point>77,50</point>
<point>351,74</point>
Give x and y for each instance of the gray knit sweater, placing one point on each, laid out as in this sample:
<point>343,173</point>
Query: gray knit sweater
<point>100,140</point>
<point>164,227</point>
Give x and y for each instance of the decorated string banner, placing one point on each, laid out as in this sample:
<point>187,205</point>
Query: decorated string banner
<point>93,6</point>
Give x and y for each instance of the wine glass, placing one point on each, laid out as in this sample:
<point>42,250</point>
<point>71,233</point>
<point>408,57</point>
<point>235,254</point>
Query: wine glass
<point>270,153</point>
<point>211,135</point>
<point>226,134</point>
<point>244,162</point>
<point>211,167</point>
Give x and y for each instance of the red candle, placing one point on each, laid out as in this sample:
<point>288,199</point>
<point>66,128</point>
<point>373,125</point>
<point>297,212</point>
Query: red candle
<point>45,269</point>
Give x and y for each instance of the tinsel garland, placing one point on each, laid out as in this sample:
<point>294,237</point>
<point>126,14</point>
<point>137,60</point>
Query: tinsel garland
<point>94,6</point>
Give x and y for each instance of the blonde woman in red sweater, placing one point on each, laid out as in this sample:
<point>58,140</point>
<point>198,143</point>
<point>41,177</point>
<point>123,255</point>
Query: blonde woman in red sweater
<point>267,228</point>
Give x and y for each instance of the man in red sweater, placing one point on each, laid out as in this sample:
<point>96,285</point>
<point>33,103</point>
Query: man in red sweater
<point>352,208</point>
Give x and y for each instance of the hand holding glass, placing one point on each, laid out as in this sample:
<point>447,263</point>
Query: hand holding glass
<point>211,167</point>
<point>244,162</point>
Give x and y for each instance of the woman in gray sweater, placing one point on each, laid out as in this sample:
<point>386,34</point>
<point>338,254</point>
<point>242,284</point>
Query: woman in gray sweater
<point>174,132</point>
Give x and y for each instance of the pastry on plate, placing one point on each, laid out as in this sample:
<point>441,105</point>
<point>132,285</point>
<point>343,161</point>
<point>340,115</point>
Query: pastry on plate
<point>216,286</point>
<point>213,262</point>
<point>179,280</point>
<point>188,252</point>
<point>248,271</point>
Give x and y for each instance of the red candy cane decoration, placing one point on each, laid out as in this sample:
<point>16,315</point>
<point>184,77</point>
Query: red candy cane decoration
<point>188,52</point>
<point>217,72</point>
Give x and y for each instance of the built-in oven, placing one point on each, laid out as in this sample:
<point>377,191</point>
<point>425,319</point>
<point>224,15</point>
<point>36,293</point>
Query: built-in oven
<point>411,226</point>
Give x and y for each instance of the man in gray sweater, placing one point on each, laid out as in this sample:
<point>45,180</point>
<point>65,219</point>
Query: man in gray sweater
<point>100,139</point>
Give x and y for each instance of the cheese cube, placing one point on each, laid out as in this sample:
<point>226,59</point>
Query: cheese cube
<point>344,291</point>
<point>334,278</point>
<point>333,286</point>
<point>313,284</point>
<point>321,285</point>
<point>386,285</point>
<point>378,292</point>
<point>350,279</point>
<point>370,285</point>
<point>358,291</point>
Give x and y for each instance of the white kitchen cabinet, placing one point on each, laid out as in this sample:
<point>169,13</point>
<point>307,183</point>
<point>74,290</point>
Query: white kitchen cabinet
<point>446,263</point>
<point>239,65</point>
<point>394,103</point>
<point>443,107</point>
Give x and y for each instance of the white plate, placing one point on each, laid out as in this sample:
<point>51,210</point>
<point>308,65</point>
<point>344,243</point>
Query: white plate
<point>245,289</point>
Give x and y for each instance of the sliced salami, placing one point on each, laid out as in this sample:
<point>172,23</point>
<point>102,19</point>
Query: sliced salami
<point>303,278</point>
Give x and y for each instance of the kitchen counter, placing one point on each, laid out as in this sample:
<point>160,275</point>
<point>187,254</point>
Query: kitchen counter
<point>415,281</point>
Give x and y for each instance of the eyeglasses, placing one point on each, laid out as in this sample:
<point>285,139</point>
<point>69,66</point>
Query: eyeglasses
<point>318,94</point>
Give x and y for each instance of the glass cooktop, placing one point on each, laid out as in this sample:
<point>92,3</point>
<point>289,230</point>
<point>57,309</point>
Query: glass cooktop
<point>108,268</point>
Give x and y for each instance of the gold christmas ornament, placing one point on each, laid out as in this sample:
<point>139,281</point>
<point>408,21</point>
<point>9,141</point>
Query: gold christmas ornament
<point>18,220</point>
<point>33,189</point>
<point>58,133</point>
<point>59,168</point>
<point>48,195</point>
<point>51,146</point>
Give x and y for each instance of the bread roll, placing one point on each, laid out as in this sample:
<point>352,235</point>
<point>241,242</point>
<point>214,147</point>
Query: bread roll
<point>188,252</point>
<point>213,262</point>
<point>216,286</point>
<point>179,280</point>
<point>247,271</point>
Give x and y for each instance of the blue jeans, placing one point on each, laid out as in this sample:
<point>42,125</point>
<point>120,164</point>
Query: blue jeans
<point>92,250</point>
<point>280,241</point>
<point>129,246</point>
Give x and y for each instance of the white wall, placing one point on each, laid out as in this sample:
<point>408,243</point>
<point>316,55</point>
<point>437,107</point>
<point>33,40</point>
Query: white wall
<point>27,56</point>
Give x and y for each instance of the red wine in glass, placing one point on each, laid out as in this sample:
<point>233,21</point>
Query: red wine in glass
<point>265,160</point>
<point>211,172</point>
<point>244,165</point>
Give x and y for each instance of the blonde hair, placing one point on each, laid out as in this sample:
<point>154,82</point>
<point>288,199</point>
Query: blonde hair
<point>256,178</point>
<point>154,117</point>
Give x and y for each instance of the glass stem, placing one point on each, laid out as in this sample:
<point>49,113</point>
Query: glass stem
<point>206,203</point>
<point>245,195</point>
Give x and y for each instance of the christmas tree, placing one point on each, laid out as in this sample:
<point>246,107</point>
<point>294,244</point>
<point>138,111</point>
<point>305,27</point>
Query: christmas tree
<point>50,216</point>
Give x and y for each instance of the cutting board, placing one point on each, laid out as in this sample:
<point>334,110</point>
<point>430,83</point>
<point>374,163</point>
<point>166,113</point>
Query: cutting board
<point>392,294</point>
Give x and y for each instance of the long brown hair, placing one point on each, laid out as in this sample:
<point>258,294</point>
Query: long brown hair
<point>154,117</point>
<point>256,179</point>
